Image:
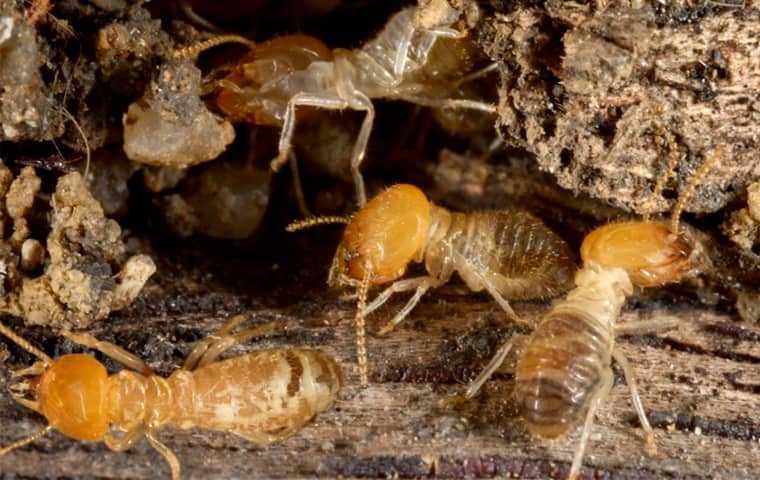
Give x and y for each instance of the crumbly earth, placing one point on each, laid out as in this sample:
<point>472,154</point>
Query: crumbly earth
<point>86,273</point>
<point>226,200</point>
<point>170,126</point>
<point>603,92</point>
<point>743,226</point>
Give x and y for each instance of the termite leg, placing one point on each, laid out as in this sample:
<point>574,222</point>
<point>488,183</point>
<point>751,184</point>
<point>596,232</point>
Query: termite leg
<point>490,288</point>
<point>630,379</point>
<point>644,327</point>
<point>503,303</point>
<point>297,186</point>
<point>115,352</point>
<point>489,370</point>
<point>596,401</point>
<point>421,284</point>
<point>402,54</point>
<point>191,361</point>
<point>209,349</point>
<point>361,102</point>
<point>447,32</point>
<point>123,442</point>
<point>396,287</point>
<point>492,67</point>
<point>289,121</point>
<point>450,103</point>
<point>170,457</point>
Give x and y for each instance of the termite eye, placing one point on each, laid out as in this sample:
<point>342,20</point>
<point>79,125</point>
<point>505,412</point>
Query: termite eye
<point>650,253</point>
<point>386,234</point>
<point>72,396</point>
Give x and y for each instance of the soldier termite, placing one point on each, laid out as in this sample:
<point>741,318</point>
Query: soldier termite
<point>563,372</point>
<point>413,59</point>
<point>510,254</point>
<point>263,396</point>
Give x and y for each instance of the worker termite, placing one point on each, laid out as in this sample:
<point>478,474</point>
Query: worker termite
<point>263,396</point>
<point>510,254</point>
<point>563,372</point>
<point>422,62</point>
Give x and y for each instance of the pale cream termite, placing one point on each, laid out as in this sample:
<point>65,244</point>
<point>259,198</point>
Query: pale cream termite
<point>416,58</point>
<point>510,254</point>
<point>563,372</point>
<point>263,396</point>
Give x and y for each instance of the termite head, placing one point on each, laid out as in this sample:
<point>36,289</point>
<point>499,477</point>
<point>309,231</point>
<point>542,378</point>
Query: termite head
<point>253,93</point>
<point>69,391</point>
<point>383,237</point>
<point>649,252</point>
<point>654,253</point>
<point>72,396</point>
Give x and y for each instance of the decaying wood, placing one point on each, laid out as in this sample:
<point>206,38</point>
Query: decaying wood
<point>598,91</point>
<point>700,385</point>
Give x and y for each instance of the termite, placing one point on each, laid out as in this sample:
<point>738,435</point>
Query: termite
<point>418,61</point>
<point>263,396</point>
<point>510,254</point>
<point>563,372</point>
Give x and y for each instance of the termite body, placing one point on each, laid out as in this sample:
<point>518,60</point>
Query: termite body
<point>263,396</point>
<point>563,373</point>
<point>510,254</point>
<point>422,65</point>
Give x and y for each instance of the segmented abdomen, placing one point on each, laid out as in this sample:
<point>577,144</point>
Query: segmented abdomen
<point>375,59</point>
<point>521,255</point>
<point>559,372</point>
<point>263,396</point>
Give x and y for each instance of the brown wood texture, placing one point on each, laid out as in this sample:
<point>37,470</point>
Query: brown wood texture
<point>700,386</point>
<point>603,91</point>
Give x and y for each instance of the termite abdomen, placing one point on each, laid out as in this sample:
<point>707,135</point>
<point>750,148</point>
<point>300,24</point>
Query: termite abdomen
<point>560,371</point>
<point>514,249</point>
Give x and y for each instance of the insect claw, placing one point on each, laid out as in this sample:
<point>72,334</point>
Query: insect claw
<point>651,444</point>
<point>279,161</point>
<point>452,401</point>
<point>386,329</point>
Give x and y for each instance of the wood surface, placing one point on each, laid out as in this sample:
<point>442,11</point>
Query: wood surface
<point>700,385</point>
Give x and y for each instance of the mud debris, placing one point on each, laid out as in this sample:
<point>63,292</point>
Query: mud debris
<point>743,226</point>
<point>85,271</point>
<point>170,126</point>
<point>227,200</point>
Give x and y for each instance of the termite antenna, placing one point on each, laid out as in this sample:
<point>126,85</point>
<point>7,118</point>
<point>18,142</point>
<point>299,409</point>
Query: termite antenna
<point>673,157</point>
<point>193,51</point>
<point>18,340</point>
<point>26,441</point>
<point>706,166</point>
<point>359,322</point>
<point>314,221</point>
<point>84,139</point>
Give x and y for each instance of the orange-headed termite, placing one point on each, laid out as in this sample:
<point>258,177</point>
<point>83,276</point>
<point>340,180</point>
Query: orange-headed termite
<point>263,396</point>
<point>563,372</point>
<point>510,254</point>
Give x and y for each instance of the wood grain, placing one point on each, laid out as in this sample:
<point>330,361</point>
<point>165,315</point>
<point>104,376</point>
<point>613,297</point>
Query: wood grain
<point>700,385</point>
